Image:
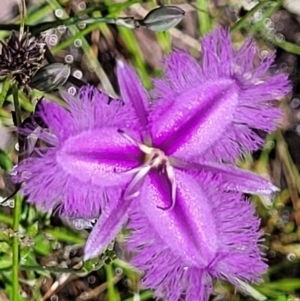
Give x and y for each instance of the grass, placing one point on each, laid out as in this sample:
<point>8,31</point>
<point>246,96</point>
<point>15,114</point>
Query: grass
<point>39,253</point>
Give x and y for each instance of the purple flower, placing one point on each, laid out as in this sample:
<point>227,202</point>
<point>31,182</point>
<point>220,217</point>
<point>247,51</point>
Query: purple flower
<point>224,127</point>
<point>219,239</point>
<point>160,165</point>
<point>67,171</point>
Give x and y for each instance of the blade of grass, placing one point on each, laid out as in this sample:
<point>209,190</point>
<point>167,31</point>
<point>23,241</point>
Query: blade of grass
<point>203,17</point>
<point>32,17</point>
<point>70,41</point>
<point>63,234</point>
<point>242,22</point>
<point>287,46</point>
<point>165,41</point>
<point>250,290</point>
<point>113,294</point>
<point>16,212</point>
<point>94,63</point>
<point>287,159</point>
<point>22,8</point>
<point>116,8</point>
<point>6,219</point>
<point>4,91</point>
<point>5,161</point>
<point>15,248</point>
<point>259,25</point>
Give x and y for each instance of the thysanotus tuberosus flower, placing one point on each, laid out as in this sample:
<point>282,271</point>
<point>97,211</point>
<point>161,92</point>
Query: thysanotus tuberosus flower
<point>21,57</point>
<point>219,238</point>
<point>159,164</point>
<point>230,130</point>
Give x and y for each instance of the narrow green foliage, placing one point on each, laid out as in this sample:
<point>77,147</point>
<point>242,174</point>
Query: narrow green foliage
<point>4,91</point>
<point>203,17</point>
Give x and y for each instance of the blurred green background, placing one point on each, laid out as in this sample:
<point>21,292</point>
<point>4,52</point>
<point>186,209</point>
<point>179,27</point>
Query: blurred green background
<point>50,265</point>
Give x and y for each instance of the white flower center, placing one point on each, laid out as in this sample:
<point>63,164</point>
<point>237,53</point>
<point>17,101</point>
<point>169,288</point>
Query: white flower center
<point>154,158</point>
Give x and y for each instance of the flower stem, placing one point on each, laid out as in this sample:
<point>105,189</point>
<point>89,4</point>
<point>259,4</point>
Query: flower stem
<point>16,105</point>
<point>22,15</point>
<point>15,248</point>
<point>16,213</point>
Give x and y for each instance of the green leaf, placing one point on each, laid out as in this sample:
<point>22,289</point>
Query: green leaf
<point>65,235</point>
<point>4,91</point>
<point>41,245</point>
<point>4,247</point>
<point>33,229</point>
<point>5,162</point>
<point>5,262</point>
<point>282,298</point>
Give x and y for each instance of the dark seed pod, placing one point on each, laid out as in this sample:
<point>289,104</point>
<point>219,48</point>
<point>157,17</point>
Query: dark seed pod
<point>21,58</point>
<point>50,77</point>
<point>163,18</point>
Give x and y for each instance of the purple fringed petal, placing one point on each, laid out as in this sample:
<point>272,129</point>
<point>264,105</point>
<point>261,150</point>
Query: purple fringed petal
<point>174,278</point>
<point>133,92</point>
<point>53,115</point>
<point>239,239</point>
<point>92,109</point>
<point>165,272</point>
<point>189,227</point>
<point>99,157</point>
<point>80,167</point>
<point>190,76</point>
<point>256,88</point>
<point>189,126</point>
<point>48,186</point>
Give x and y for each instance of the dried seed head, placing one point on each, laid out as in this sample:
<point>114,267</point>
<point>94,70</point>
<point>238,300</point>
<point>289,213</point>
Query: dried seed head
<point>20,58</point>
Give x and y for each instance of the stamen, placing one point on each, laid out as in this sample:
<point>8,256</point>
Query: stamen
<point>144,148</point>
<point>138,178</point>
<point>155,158</point>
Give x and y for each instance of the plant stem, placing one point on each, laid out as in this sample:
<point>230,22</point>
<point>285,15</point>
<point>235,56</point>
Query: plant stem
<point>129,23</point>
<point>22,15</point>
<point>16,105</point>
<point>242,22</point>
<point>17,212</point>
<point>5,89</point>
<point>203,16</point>
<point>15,248</point>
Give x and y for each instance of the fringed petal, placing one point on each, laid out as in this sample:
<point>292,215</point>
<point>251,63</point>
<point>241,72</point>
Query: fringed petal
<point>165,272</point>
<point>190,75</point>
<point>99,157</point>
<point>239,240</point>
<point>49,186</point>
<point>52,115</point>
<point>188,228</point>
<point>189,126</point>
<point>81,162</point>
<point>173,277</point>
<point>93,109</point>
<point>256,90</point>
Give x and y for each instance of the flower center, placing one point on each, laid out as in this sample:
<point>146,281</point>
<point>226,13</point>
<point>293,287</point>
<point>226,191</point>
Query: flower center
<point>154,158</point>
